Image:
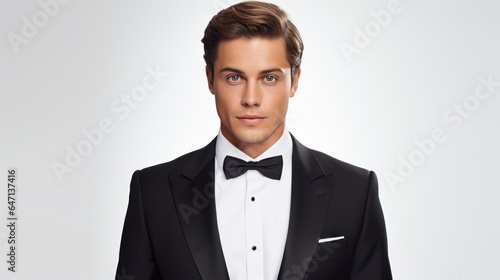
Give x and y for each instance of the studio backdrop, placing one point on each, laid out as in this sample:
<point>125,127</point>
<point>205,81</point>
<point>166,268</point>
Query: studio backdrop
<point>91,91</point>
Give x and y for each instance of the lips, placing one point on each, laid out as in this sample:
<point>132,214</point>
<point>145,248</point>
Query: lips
<point>251,119</point>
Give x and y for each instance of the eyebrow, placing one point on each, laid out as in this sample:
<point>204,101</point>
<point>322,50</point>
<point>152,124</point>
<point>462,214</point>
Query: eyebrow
<point>230,69</point>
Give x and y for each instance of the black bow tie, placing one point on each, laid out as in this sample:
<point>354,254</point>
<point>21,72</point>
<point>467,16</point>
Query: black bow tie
<point>269,167</point>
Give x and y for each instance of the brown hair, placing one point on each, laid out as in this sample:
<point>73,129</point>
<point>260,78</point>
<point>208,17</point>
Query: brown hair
<point>252,19</point>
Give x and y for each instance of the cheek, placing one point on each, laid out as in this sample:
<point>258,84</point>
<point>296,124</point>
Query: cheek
<point>278,108</point>
<point>225,103</point>
<point>280,101</point>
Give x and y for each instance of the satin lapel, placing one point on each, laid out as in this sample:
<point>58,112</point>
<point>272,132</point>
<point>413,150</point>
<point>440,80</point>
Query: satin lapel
<point>311,196</point>
<point>193,193</point>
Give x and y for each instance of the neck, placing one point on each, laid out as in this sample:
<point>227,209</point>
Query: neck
<point>256,148</point>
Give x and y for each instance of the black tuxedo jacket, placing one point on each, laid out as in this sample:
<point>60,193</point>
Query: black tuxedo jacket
<point>170,229</point>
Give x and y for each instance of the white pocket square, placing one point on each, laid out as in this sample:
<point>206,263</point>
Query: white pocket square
<point>329,239</point>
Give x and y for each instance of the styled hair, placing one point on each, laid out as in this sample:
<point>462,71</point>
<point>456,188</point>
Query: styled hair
<point>252,19</point>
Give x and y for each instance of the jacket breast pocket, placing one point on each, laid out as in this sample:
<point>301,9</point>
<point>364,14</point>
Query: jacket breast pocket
<point>326,250</point>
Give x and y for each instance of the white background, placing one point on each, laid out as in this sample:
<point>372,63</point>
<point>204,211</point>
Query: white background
<point>367,108</point>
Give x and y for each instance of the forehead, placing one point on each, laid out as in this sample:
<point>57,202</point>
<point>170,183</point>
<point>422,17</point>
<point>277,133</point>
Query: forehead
<point>255,52</point>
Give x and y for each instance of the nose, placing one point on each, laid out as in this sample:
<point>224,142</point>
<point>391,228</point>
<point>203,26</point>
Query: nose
<point>252,95</point>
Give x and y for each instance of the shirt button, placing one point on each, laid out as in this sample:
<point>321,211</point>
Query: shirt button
<point>253,198</point>
<point>254,248</point>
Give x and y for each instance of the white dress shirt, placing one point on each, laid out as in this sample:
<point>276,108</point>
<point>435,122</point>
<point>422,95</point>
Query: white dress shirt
<point>253,212</point>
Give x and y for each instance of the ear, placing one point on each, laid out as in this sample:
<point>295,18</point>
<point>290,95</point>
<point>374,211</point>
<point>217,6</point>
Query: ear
<point>210,79</point>
<point>295,83</point>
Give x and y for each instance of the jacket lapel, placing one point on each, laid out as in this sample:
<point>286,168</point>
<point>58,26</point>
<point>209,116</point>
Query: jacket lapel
<point>311,196</point>
<point>193,193</point>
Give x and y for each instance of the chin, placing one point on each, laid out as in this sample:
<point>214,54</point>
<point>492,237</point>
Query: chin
<point>252,137</point>
<point>240,135</point>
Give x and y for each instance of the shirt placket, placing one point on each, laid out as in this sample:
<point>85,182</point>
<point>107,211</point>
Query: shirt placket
<point>254,231</point>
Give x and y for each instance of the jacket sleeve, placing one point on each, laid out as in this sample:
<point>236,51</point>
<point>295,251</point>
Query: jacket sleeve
<point>371,260</point>
<point>136,259</point>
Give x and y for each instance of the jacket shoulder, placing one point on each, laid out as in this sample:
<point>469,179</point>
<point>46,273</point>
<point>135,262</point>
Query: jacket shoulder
<point>327,163</point>
<point>181,163</point>
<point>337,166</point>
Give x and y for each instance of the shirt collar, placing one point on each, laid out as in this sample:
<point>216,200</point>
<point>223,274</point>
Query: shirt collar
<point>223,148</point>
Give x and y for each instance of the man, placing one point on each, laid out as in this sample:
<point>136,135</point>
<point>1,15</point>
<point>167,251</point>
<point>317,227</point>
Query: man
<point>254,203</point>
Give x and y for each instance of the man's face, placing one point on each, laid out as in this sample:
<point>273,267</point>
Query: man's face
<point>252,84</point>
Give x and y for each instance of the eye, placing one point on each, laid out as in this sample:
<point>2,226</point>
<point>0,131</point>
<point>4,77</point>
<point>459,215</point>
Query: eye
<point>234,78</point>
<point>270,79</point>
